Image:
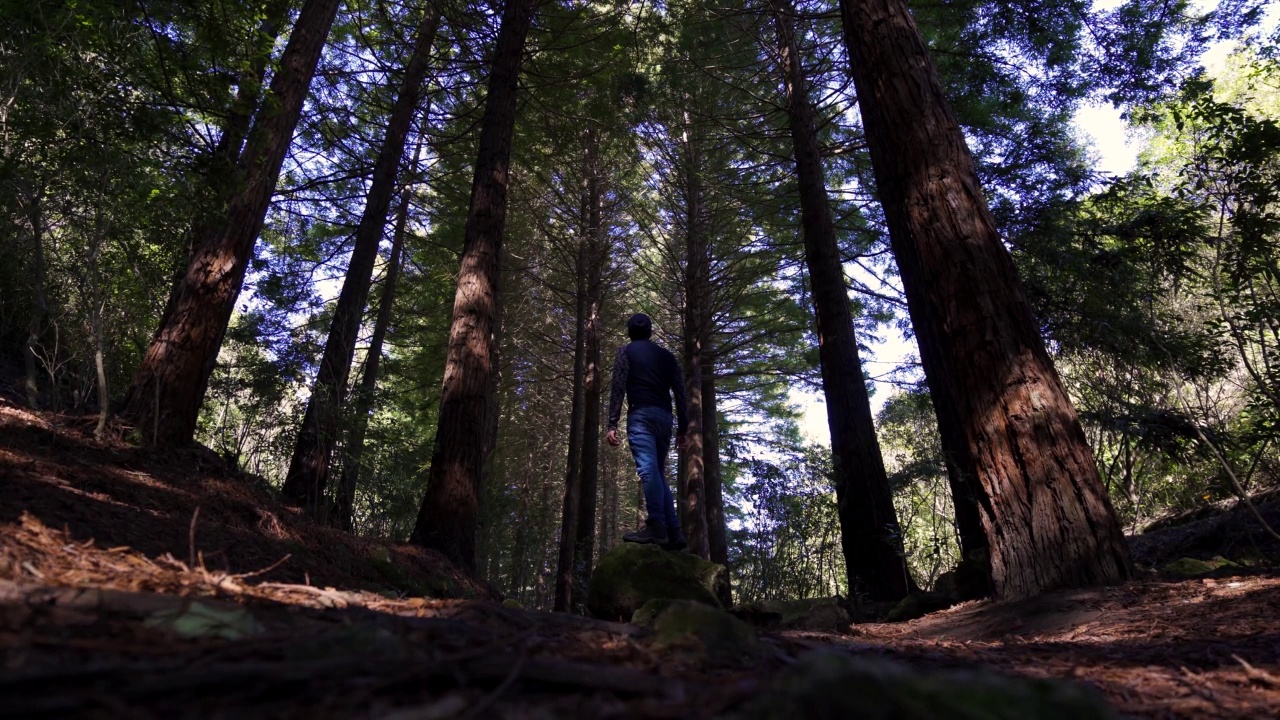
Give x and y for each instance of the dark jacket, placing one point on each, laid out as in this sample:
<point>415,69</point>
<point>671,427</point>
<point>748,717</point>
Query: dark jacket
<point>649,375</point>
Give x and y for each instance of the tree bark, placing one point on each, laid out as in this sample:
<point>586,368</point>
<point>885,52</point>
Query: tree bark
<point>697,265</point>
<point>447,518</point>
<point>249,90</point>
<point>169,386</point>
<point>717,535</point>
<point>870,535</point>
<point>97,304</point>
<point>39,300</point>
<point>309,469</point>
<point>573,466</point>
<point>591,380</point>
<point>222,162</point>
<point>1006,421</point>
<point>344,505</point>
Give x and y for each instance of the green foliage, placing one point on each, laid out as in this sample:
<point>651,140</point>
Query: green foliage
<point>787,542</point>
<point>95,151</point>
<point>1160,295</point>
<point>917,469</point>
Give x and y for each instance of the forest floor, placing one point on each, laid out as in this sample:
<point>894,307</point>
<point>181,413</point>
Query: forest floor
<point>136,585</point>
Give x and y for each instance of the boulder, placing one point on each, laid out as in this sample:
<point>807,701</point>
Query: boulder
<point>631,574</point>
<point>918,605</point>
<point>828,684</point>
<point>1191,567</point>
<point>704,634</point>
<point>816,614</point>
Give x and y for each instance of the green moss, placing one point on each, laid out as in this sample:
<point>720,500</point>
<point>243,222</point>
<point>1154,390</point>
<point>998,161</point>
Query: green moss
<point>631,574</point>
<point>827,684</point>
<point>707,634</point>
<point>395,576</point>
<point>1192,567</point>
<point>819,614</point>
<point>649,611</point>
<point>513,604</point>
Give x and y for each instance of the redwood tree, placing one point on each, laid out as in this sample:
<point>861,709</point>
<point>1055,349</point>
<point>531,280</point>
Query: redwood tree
<point>342,515</point>
<point>1015,446</point>
<point>577,526</point>
<point>573,464</point>
<point>169,385</point>
<point>697,292</point>
<point>597,249</point>
<point>309,469</point>
<point>468,410</point>
<point>869,530</point>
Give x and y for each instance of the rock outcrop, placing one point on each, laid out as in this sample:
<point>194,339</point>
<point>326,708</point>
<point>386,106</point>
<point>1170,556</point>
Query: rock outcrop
<point>631,574</point>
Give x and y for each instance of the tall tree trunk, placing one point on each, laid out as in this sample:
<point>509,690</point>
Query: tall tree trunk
<point>717,535</point>
<point>353,452</point>
<point>249,89</point>
<point>309,469</point>
<point>584,546</point>
<point>697,265</point>
<point>39,300</point>
<point>447,518</point>
<point>573,466</point>
<point>97,305</point>
<point>169,386</point>
<point>869,531</point>
<point>1004,416</point>
<point>220,174</point>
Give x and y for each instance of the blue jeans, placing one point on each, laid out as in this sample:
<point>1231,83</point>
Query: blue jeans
<point>649,435</point>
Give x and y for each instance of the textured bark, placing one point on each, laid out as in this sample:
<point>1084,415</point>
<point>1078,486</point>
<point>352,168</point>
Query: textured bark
<point>447,518</point>
<point>343,515</point>
<point>39,300</point>
<point>869,531</point>
<point>1007,424</point>
<point>584,546</point>
<point>717,536</point>
<point>573,464</point>
<point>249,90</point>
<point>97,304</point>
<point>696,290</point>
<point>308,474</point>
<point>169,386</point>
<point>221,172</point>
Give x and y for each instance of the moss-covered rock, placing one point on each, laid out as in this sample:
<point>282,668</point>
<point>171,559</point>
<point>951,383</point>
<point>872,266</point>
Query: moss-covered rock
<point>631,574</point>
<point>1193,567</point>
<point>431,586</point>
<point>918,605</point>
<point>817,614</point>
<point>827,684</point>
<point>705,634</point>
<point>649,611</point>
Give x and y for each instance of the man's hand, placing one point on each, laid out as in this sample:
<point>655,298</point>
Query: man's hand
<point>611,437</point>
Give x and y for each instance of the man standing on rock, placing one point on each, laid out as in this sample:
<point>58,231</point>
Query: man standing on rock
<point>650,376</point>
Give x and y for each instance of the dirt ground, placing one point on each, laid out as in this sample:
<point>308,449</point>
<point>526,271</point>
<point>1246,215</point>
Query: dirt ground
<point>140,586</point>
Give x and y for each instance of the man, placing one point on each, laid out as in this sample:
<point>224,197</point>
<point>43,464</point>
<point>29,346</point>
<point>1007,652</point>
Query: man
<point>649,375</point>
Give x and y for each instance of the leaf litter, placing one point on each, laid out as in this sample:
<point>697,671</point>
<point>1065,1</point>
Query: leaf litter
<point>134,585</point>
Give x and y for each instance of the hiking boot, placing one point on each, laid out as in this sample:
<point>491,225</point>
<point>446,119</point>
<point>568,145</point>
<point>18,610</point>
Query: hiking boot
<point>653,533</point>
<point>675,541</point>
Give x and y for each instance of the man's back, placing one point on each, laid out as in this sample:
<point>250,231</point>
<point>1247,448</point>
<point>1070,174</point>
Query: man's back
<point>651,374</point>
